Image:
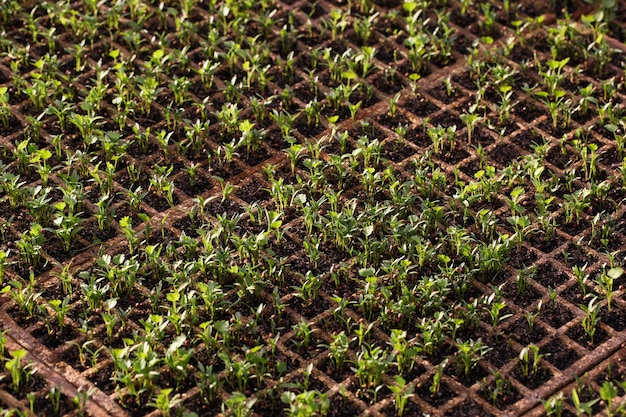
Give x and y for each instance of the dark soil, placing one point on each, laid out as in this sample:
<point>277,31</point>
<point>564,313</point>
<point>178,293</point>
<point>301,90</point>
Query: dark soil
<point>558,354</point>
<point>437,398</point>
<point>259,286</point>
<point>343,407</point>
<point>467,408</point>
<point>532,380</point>
<point>555,315</point>
<point>520,331</point>
<point>503,399</point>
<point>578,334</point>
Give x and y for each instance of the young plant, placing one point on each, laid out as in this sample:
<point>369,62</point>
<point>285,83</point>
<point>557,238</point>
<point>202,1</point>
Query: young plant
<point>608,394</point>
<point>469,353</point>
<point>80,400</point>
<point>495,304</point>
<point>338,349</point>
<point>402,393</point>
<point>127,228</point>
<point>418,51</point>
<point>307,403</point>
<point>582,408</point>
<point>23,295</point>
<point>163,186</point>
<point>284,120</point>
<point>589,156</point>
<point>500,389</point>
<point>164,403</point>
<point>103,213</point>
<point>337,23</point>
<point>109,317</point>
<point>554,405</point>
<point>393,106</point>
<point>522,280</point>
<point>405,354</point>
<point>4,262</point>
<point>121,272</point>
<point>134,197</point>
<point>209,382</point>
<point>437,376</point>
<point>5,108</point>
<point>61,308</point>
<point>238,404</point>
<point>590,322</point>
<point>303,332</point>
<point>294,152</point>
<point>55,399</point>
<point>487,24</point>
<point>31,244</point>
<point>371,363</point>
<point>527,366</point>
<point>605,282</point>
<point>67,226</point>
<point>531,315</point>
<point>471,120</point>
<point>20,374</point>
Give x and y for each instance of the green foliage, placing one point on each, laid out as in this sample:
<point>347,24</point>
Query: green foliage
<point>381,226</point>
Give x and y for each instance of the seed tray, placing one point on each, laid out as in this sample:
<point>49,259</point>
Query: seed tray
<point>279,303</point>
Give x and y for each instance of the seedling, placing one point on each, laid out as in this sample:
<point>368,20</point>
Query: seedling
<point>496,305</point>
<point>527,366</point>
<point>31,244</point>
<point>592,318</point>
<point>532,315</point>
<point>402,393</point>
<point>522,280</point>
<point>163,186</point>
<point>608,393</point>
<point>371,363</point>
<point>91,134</point>
<point>80,400</point>
<point>61,308</point>
<point>471,120</point>
<point>5,110</point>
<point>3,343</point>
<point>605,282</point>
<point>164,403</point>
<point>238,404</point>
<point>554,404</point>
<point>469,354</point>
<point>313,110</point>
<point>405,353</point>
<point>67,226</point>
<point>55,398</point>
<point>4,255</point>
<point>20,373</point>
<point>500,389</point>
<point>127,228</point>
<point>303,332</point>
<point>338,349</point>
<point>306,403</point>
<point>582,408</point>
<point>393,105</point>
<point>437,376</point>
